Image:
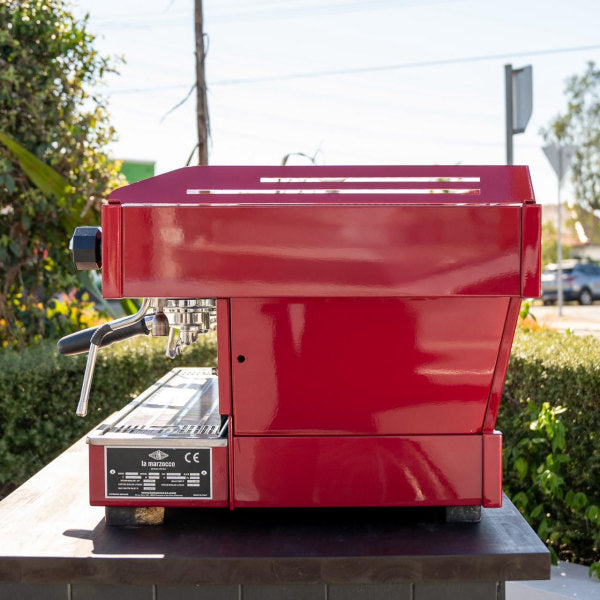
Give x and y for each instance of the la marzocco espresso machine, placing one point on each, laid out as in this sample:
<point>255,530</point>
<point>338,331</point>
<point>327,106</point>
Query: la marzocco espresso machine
<point>365,317</point>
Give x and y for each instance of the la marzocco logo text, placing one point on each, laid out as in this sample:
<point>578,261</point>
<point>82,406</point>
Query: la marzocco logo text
<point>159,461</point>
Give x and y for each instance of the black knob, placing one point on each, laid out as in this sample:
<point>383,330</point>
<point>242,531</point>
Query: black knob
<point>86,245</point>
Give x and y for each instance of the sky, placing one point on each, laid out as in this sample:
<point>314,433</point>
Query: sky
<point>347,82</point>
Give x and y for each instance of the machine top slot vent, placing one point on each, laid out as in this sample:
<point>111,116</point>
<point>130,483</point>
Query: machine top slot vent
<point>339,190</point>
<point>350,185</point>
<point>366,179</point>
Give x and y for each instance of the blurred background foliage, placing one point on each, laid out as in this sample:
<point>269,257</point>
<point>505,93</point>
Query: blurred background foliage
<point>549,245</point>
<point>49,71</point>
<point>579,125</point>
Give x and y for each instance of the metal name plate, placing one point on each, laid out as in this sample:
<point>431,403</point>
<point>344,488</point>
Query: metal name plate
<point>158,472</point>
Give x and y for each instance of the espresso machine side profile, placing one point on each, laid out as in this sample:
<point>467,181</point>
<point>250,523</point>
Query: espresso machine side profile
<point>364,321</point>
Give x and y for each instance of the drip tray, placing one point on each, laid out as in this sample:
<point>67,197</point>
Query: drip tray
<point>182,408</point>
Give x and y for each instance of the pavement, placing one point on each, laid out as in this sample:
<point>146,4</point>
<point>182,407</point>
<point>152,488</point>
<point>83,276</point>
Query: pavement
<point>581,320</point>
<point>567,581</point>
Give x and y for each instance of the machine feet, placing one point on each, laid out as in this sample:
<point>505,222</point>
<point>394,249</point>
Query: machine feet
<point>463,514</point>
<point>134,516</point>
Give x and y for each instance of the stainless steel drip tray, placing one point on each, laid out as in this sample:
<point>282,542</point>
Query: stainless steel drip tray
<point>181,408</point>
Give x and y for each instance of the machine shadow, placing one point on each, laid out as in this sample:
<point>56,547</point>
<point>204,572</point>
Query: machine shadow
<point>285,532</point>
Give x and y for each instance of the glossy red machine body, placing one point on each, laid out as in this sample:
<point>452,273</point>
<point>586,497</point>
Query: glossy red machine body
<point>365,319</point>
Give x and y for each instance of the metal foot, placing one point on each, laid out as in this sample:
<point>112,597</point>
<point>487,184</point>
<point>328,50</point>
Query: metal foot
<point>463,514</point>
<point>134,516</point>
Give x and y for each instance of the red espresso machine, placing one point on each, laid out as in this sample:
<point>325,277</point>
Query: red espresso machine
<point>365,317</point>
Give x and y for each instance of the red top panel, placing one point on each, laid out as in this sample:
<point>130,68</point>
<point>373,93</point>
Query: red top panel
<point>333,184</point>
<point>226,232</point>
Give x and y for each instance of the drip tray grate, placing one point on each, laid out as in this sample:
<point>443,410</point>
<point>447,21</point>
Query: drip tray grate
<point>168,430</point>
<point>181,408</point>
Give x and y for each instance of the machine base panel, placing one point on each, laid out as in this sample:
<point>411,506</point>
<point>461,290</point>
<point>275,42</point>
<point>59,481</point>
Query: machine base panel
<point>426,470</point>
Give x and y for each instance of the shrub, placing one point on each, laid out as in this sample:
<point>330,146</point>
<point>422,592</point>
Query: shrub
<point>550,418</point>
<point>61,315</point>
<point>39,391</point>
<point>50,106</point>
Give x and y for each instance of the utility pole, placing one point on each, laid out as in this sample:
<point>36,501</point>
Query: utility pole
<point>201,101</point>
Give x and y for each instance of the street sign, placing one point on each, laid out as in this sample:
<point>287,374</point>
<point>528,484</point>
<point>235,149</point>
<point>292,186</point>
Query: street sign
<point>522,97</point>
<point>560,158</point>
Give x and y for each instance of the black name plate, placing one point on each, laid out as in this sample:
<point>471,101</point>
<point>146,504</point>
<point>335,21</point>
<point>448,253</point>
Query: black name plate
<point>133,472</point>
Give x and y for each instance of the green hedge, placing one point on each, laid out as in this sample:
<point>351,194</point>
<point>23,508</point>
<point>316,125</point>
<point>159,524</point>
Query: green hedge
<point>550,417</point>
<point>39,391</point>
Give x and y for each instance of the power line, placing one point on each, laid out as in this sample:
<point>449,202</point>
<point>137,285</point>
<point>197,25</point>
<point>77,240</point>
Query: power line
<point>285,11</point>
<point>393,67</point>
<point>372,69</point>
<point>160,88</point>
<point>276,10</point>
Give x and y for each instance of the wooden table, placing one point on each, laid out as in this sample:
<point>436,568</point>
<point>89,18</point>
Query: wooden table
<point>54,545</point>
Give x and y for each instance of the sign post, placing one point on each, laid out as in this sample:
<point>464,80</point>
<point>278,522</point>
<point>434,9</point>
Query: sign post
<point>560,158</point>
<point>519,103</point>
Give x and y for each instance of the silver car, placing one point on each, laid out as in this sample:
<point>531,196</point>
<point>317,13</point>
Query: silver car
<point>581,282</point>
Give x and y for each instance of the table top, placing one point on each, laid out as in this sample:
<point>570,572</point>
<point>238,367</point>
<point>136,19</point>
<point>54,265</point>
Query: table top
<point>50,534</point>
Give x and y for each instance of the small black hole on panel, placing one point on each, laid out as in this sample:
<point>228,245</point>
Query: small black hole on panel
<point>241,358</point>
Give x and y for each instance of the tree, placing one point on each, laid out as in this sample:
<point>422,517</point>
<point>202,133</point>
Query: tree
<point>580,125</point>
<point>549,245</point>
<point>48,70</point>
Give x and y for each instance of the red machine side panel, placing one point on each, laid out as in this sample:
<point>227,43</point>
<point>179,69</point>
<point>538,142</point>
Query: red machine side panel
<point>492,470</point>
<point>111,252</point>
<point>504,349</point>
<point>230,251</point>
<point>358,471</point>
<point>531,253</point>
<point>224,356</point>
<point>365,366</point>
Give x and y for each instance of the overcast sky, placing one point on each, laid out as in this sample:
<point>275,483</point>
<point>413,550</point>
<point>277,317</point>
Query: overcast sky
<point>417,81</point>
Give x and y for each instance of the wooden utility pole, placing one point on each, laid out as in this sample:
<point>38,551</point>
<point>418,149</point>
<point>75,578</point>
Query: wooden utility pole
<point>201,102</point>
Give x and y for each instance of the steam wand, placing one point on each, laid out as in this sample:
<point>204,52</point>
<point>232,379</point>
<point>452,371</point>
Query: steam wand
<point>95,344</point>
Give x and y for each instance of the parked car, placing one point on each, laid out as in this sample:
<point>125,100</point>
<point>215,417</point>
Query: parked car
<point>580,280</point>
